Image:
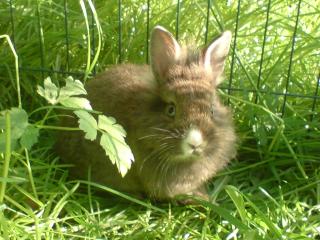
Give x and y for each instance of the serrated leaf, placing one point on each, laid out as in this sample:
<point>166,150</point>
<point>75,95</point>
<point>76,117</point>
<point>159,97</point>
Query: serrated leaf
<point>18,125</point>
<point>126,157</point>
<point>109,147</point>
<point>76,102</point>
<point>118,151</point>
<point>49,92</point>
<point>29,137</point>
<point>112,141</point>
<point>66,95</point>
<point>88,124</point>
<point>109,125</point>
<point>19,121</point>
<point>41,91</point>
<point>72,88</point>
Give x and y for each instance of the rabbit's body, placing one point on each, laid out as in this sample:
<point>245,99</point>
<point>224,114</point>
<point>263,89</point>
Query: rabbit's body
<point>178,131</point>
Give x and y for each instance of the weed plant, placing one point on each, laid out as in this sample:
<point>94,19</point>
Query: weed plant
<point>270,191</point>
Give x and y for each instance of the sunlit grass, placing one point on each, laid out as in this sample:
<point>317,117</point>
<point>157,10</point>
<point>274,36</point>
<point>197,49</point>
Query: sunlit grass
<point>270,191</point>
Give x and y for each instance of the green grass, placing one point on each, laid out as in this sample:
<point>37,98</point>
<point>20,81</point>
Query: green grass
<point>270,191</point>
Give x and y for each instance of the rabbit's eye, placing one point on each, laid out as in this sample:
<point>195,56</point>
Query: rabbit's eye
<point>212,110</point>
<point>171,110</point>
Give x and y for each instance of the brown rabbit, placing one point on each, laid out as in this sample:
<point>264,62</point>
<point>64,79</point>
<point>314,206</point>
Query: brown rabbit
<point>178,130</point>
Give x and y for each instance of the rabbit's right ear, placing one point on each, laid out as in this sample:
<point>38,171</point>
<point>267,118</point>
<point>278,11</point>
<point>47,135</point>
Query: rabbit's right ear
<point>215,55</point>
<point>164,51</point>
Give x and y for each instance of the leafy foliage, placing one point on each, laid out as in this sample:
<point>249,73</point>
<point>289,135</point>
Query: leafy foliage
<point>113,143</point>
<point>112,134</point>
<point>29,137</point>
<point>23,134</point>
<point>272,187</point>
<point>66,95</point>
<point>88,124</point>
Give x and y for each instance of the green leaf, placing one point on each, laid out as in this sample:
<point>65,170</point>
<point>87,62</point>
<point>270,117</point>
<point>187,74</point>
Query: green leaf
<point>29,137</point>
<point>14,143</point>
<point>113,134</point>
<point>112,141</point>
<point>49,92</point>
<point>118,151</point>
<point>238,201</point>
<point>227,214</point>
<point>66,95</point>
<point>72,88</point>
<point>109,125</point>
<point>109,147</point>
<point>19,124</point>
<point>19,121</point>
<point>76,102</point>
<point>88,124</point>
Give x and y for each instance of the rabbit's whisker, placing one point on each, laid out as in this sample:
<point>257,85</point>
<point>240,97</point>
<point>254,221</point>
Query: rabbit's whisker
<point>161,157</point>
<point>148,136</point>
<point>164,172</point>
<point>163,168</point>
<point>164,144</point>
<point>146,158</point>
<point>160,129</point>
<point>166,138</point>
<point>154,154</point>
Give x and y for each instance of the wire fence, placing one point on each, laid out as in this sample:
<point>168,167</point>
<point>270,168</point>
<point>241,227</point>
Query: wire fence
<point>119,31</point>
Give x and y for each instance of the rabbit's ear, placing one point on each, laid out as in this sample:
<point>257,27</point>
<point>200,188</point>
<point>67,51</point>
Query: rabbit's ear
<point>164,51</point>
<point>215,55</point>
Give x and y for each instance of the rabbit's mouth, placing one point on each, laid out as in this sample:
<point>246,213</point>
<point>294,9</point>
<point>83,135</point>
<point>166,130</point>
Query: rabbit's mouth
<point>192,146</point>
<point>187,157</point>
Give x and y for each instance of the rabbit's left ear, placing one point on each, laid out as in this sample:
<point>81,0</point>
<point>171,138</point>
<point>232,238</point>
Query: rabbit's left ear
<point>164,51</point>
<point>215,55</point>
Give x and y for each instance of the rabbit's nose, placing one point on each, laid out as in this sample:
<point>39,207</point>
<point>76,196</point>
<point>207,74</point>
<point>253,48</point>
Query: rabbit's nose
<point>192,142</point>
<point>194,138</point>
<point>194,147</point>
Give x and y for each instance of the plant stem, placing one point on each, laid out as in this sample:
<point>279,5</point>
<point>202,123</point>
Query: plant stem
<point>57,128</point>
<point>60,107</point>
<point>7,156</point>
<point>30,173</point>
<point>85,15</point>
<point>46,116</point>
<point>16,63</point>
<point>99,28</point>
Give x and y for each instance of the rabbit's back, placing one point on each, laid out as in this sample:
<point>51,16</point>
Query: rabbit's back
<point>122,91</point>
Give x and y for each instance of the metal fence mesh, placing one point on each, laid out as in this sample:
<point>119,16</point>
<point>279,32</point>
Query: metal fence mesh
<point>50,39</point>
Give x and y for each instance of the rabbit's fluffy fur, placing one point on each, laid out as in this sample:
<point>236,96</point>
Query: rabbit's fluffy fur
<point>178,130</point>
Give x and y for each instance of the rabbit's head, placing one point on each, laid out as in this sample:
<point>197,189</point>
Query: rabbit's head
<point>187,123</point>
